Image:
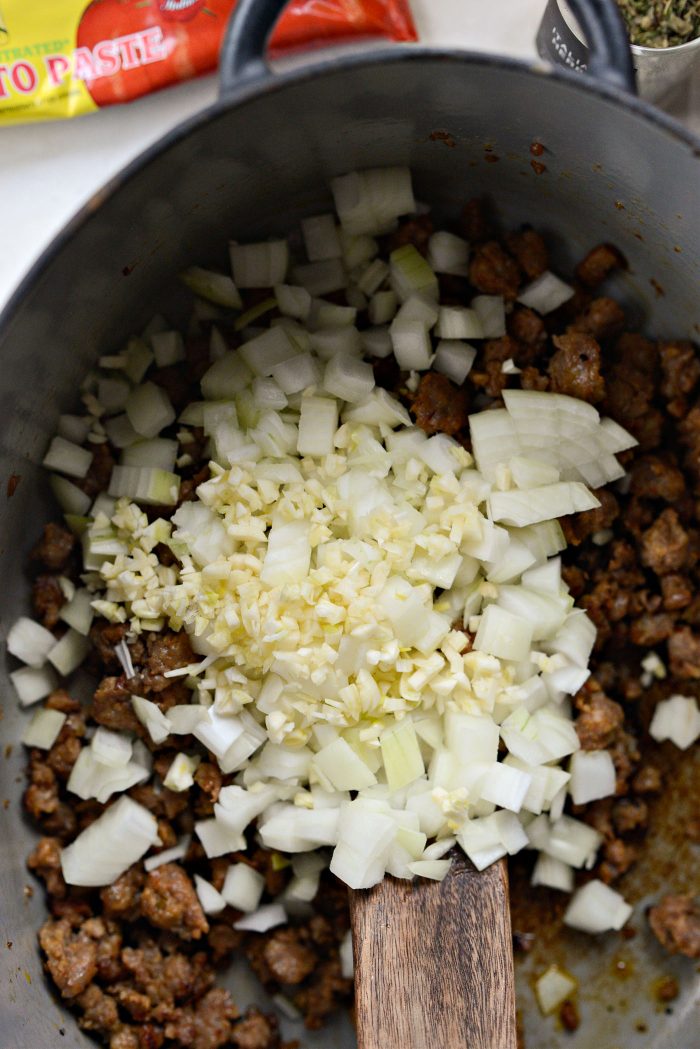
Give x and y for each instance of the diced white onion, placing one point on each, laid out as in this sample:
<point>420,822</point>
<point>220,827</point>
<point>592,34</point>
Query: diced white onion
<point>552,873</point>
<point>348,379</point>
<point>596,908</point>
<point>109,846</point>
<point>297,373</point>
<point>211,900</point>
<point>677,719</point>
<point>214,287</point>
<point>120,431</point>
<point>158,452</point>
<point>448,253</point>
<point>318,423</point>
<point>382,307</point>
<point>177,852</point>
<point>110,748</point>
<point>403,762</point>
<point>330,315</point>
<point>545,293</point>
<point>293,301</point>
<point>227,376</point>
<point>185,717</point>
<point>264,352</point>
<point>503,634</point>
<point>145,484</point>
<point>265,918</point>
<point>342,767</point>
<point>152,718</point>
<point>531,473</point>
<point>44,728</point>
<point>373,277</point>
<point>180,775</point>
<point>505,786</point>
<point>330,342</point>
<point>553,988</point>
<point>454,359</point>
<point>139,358</point>
<point>33,683</point>
<point>74,428</point>
<point>67,458</point>
<point>458,322</point>
<point>368,201</point>
<point>436,870</point>
<point>592,776</point>
<point>412,346</point>
<point>541,503</point>
<point>68,653</point>
<point>411,274</point>
<point>490,309</point>
<point>30,642</point>
<point>573,842</point>
<point>260,265</point>
<point>321,238</point>
<point>217,839</point>
<point>321,278</point>
<point>71,498</point>
<point>149,409</point>
<point>243,887</point>
<point>377,341</point>
<point>481,840</point>
<point>168,348</point>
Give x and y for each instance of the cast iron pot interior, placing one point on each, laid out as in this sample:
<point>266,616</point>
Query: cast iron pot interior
<point>251,166</point>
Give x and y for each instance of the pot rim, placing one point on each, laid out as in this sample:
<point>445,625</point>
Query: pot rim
<point>238,95</point>
<point>674,49</point>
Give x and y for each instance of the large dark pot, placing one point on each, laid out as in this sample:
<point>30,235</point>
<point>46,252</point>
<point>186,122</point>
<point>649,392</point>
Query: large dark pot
<point>253,163</point>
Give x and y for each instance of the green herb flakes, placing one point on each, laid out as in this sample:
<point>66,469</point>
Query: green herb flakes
<point>661,23</point>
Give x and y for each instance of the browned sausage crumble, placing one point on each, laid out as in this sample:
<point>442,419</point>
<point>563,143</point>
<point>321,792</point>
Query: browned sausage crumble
<point>137,960</point>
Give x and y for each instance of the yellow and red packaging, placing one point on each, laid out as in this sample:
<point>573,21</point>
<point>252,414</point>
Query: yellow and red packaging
<point>64,58</point>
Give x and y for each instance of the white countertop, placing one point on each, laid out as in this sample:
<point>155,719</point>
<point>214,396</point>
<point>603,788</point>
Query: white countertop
<point>48,170</point>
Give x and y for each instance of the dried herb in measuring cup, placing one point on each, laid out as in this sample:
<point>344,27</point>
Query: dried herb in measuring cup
<point>661,23</point>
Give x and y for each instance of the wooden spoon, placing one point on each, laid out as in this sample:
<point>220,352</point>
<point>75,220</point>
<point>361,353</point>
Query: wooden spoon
<point>434,961</point>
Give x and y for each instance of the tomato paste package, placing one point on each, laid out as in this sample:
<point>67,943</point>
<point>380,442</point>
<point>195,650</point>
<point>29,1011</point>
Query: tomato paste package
<point>62,58</point>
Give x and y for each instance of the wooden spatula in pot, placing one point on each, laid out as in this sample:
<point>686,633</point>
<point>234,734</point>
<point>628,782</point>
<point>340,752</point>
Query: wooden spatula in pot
<point>434,961</point>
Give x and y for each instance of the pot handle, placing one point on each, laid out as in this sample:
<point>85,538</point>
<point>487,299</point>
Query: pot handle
<point>252,22</point>
<point>610,58</point>
<point>245,44</point>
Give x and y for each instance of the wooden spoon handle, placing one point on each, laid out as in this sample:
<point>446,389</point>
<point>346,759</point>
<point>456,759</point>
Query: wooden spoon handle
<point>434,961</point>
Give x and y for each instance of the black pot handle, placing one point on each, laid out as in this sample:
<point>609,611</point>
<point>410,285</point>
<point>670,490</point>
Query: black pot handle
<point>252,22</point>
<point>608,56</point>
<point>245,44</point>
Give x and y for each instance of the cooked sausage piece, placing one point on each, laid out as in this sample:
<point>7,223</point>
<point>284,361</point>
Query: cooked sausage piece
<point>684,653</point>
<point>602,318</point>
<point>289,959</point>
<point>55,547</point>
<point>47,599</point>
<point>665,544</point>
<point>599,720</point>
<point>655,477</point>
<point>71,958</point>
<point>255,1030</point>
<point>439,405</point>
<point>680,368</point>
<point>494,272</point>
<point>599,263</point>
<point>675,921</point>
<point>169,901</point>
<point>530,250</point>
<point>575,367</point>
